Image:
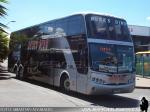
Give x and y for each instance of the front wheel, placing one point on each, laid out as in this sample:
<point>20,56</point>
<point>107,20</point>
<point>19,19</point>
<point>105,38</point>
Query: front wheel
<point>65,84</point>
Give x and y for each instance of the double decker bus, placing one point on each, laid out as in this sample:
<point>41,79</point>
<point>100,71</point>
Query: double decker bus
<point>89,53</point>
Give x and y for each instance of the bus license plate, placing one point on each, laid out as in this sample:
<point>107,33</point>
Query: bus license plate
<point>116,79</point>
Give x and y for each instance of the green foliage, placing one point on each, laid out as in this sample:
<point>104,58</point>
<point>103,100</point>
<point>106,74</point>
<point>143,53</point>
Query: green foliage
<point>2,8</point>
<point>2,14</point>
<point>17,38</point>
<point>4,41</point>
<point>4,1</point>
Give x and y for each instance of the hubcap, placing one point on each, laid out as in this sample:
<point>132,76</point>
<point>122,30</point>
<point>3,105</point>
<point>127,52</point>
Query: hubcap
<point>67,84</point>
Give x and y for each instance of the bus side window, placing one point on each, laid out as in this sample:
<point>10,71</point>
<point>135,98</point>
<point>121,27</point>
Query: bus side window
<point>75,26</point>
<point>58,60</point>
<point>61,27</point>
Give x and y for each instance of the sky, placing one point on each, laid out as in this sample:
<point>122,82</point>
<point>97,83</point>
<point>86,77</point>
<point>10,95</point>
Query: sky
<point>30,12</point>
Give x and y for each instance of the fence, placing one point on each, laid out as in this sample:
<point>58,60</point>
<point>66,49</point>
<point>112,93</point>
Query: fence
<point>143,64</point>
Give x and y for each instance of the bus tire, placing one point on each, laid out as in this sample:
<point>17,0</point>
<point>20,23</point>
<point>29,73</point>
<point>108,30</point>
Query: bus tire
<point>17,75</point>
<point>65,83</point>
<point>21,75</point>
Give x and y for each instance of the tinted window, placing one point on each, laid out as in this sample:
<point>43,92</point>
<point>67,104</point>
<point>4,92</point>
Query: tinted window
<point>98,26</point>
<point>78,47</point>
<point>111,58</point>
<point>105,27</point>
<point>58,60</point>
<point>28,32</point>
<point>125,58</point>
<point>75,25</point>
<point>61,27</point>
<point>103,57</point>
<point>121,29</point>
<point>111,29</point>
<point>47,28</point>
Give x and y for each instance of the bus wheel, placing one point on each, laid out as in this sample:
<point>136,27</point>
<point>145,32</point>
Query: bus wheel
<point>65,84</point>
<point>20,75</point>
<point>17,75</point>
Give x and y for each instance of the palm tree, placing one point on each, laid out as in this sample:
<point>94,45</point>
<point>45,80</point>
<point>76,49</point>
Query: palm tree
<point>3,34</point>
<point>2,13</point>
<point>4,40</point>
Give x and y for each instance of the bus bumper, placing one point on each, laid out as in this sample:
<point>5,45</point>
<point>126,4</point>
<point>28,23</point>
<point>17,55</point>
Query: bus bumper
<point>96,89</point>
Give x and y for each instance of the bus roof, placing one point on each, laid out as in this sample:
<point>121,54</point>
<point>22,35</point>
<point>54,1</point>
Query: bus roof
<point>77,13</point>
<point>143,52</point>
<point>97,13</point>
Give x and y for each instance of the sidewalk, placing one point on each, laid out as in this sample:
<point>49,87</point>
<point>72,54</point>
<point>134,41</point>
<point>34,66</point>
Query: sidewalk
<point>142,83</point>
<point>3,69</point>
<point>3,66</point>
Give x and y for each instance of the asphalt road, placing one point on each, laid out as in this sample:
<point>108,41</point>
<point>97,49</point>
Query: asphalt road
<point>16,93</point>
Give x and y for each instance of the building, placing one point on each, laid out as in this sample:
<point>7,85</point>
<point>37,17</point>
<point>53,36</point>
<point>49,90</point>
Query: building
<point>141,37</point>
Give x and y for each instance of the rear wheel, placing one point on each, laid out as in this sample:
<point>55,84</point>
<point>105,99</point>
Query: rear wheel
<point>20,74</point>
<point>17,75</point>
<point>21,77</point>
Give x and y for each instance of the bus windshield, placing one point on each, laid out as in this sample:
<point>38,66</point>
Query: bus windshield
<point>111,58</point>
<point>102,27</point>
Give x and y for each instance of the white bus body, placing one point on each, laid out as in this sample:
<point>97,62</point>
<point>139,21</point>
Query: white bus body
<point>88,53</point>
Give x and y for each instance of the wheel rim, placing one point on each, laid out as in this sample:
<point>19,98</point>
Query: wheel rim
<point>66,84</point>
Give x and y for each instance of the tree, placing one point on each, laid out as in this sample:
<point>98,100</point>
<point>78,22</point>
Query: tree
<point>2,14</point>
<point>3,34</point>
<point>4,40</point>
<point>17,38</point>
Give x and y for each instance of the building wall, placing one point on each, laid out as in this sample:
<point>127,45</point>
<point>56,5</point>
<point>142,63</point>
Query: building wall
<point>139,30</point>
<point>141,37</point>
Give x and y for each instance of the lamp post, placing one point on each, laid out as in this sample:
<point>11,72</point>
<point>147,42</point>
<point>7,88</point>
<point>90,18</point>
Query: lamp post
<point>10,22</point>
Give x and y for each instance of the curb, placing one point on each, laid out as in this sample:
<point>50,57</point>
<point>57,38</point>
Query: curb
<point>3,71</point>
<point>140,87</point>
<point>139,76</point>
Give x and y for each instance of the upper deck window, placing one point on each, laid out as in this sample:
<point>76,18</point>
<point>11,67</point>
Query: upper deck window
<point>121,29</point>
<point>105,27</point>
<point>75,25</point>
<point>97,26</point>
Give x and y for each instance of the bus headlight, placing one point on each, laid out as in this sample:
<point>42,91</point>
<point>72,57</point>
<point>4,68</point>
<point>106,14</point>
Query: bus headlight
<point>93,78</point>
<point>97,80</point>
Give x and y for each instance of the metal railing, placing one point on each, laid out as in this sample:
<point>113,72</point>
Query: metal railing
<point>143,66</point>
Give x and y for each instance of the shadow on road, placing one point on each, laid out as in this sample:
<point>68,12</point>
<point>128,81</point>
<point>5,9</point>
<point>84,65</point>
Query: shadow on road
<point>113,101</point>
<point>110,101</point>
<point>4,78</point>
<point>4,75</point>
